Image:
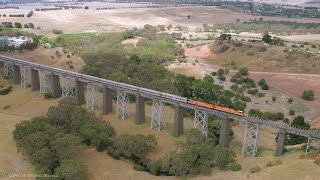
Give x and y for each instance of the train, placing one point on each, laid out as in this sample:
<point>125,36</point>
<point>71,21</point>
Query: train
<point>127,87</point>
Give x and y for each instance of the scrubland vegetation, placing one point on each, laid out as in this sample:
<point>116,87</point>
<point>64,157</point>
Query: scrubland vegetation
<point>50,143</point>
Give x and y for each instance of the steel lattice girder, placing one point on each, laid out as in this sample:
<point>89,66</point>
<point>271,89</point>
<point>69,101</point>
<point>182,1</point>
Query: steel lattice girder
<point>67,88</point>
<point>45,82</point>
<point>158,115</point>
<point>8,69</point>
<point>91,96</point>
<point>201,121</point>
<point>250,142</point>
<point>122,105</point>
<point>25,76</point>
<point>312,144</point>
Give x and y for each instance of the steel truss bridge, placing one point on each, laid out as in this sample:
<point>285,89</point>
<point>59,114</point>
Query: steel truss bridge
<point>46,80</point>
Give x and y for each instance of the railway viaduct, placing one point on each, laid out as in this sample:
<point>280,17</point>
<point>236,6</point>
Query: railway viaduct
<point>51,80</point>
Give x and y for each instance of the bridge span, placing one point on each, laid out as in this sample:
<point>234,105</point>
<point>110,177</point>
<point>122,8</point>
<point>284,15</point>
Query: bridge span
<point>61,83</point>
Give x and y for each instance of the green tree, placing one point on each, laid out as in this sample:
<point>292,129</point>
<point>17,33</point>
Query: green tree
<point>244,71</point>
<point>225,37</point>
<point>296,139</point>
<point>134,147</point>
<point>308,95</point>
<point>184,85</point>
<point>262,82</point>
<point>265,87</point>
<point>267,38</point>
<point>70,170</point>
<point>17,25</point>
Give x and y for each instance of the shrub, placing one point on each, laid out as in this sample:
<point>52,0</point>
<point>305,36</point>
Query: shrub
<point>274,163</point>
<point>255,169</point>
<point>223,48</point>
<point>262,82</point>
<point>274,98</point>
<point>265,87</point>
<point>290,100</point>
<point>214,73</point>
<point>138,167</point>
<point>286,120</point>
<point>70,169</point>
<point>317,161</point>
<point>308,95</point>
<point>252,91</point>
<point>260,94</point>
<point>235,166</point>
<point>47,95</point>
<point>134,147</point>
<point>244,71</point>
<point>222,78</point>
<point>312,154</point>
<point>220,72</point>
<point>291,112</point>
<point>6,91</point>
<point>57,31</point>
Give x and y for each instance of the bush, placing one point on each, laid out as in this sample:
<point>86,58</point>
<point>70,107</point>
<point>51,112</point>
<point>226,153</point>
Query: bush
<point>255,169</point>
<point>262,82</point>
<point>290,100</point>
<point>138,167</point>
<point>317,161</point>
<point>6,91</point>
<point>260,94</point>
<point>308,95</point>
<point>286,120</point>
<point>70,169</point>
<point>222,78</point>
<point>265,87</point>
<point>214,73</point>
<point>252,91</point>
<point>235,166</point>
<point>220,72</point>
<point>221,49</point>
<point>274,163</point>
<point>57,31</point>
<point>244,71</point>
<point>47,95</point>
<point>133,147</point>
<point>291,112</point>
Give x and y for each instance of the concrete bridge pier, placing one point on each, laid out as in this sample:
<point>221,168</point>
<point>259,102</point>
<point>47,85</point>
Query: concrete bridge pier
<point>80,91</point>
<point>140,116</point>
<point>224,132</point>
<point>107,100</point>
<point>178,121</point>
<point>35,82</point>
<point>56,90</point>
<point>1,65</point>
<point>16,74</point>
<point>281,142</point>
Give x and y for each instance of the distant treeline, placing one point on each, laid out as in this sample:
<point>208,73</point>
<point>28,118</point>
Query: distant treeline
<point>287,27</point>
<point>9,7</point>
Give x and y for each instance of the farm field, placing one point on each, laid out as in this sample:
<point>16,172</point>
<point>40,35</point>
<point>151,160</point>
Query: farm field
<point>74,21</point>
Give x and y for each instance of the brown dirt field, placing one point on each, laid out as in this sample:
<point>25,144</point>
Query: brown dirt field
<point>294,87</point>
<point>44,56</point>
<point>71,21</point>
